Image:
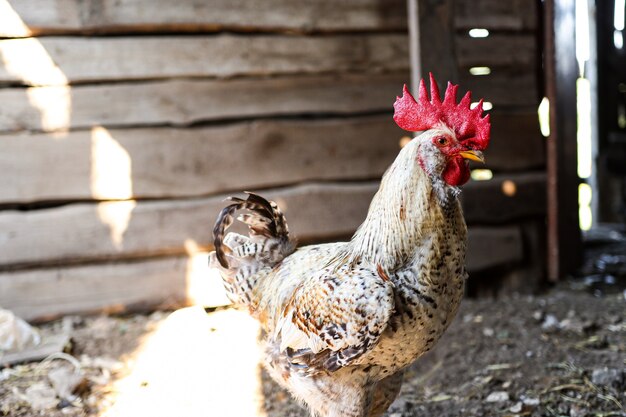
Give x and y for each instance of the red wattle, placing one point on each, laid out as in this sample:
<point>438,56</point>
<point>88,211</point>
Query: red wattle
<point>457,172</point>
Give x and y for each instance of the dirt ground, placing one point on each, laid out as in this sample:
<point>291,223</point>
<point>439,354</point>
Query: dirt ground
<point>559,354</point>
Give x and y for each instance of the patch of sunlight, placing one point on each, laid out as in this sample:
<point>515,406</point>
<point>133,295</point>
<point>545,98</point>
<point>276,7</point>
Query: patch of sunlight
<point>509,188</point>
<point>28,60</point>
<point>481,174</point>
<point>195,365</point>
<point>478,33</point>
<point>111,167</point>
<point>116,215</point>
<point>54,105</point>
<point>583,102</point>
<point>111,179</point>
<point>10,21</point>
<point>583,50</point>
<point>487,105</point>
<point>203,285</point>
<point>480,70</point>
<point>585,216</point>
<point>544,117</point>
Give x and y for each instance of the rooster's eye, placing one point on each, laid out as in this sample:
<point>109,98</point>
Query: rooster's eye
<point>442,141</point>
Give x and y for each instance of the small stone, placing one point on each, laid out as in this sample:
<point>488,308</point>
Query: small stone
<point>550,324</point>
<point>497,397</point>
<point>538,315</point>
<point>516,408</point>
<point>488,332</point>
<point>577,411</point>
<point>530,401</point>
<point>606,376</point>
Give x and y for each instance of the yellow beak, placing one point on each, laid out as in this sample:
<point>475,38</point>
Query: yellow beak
<point>473,155</point>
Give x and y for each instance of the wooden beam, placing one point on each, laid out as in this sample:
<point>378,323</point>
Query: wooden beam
<point>516,142</point>
<point>184,102</point>
<point>33,17</point>
<point>494,51</point>
<point>46,293</point>
<point>505,198</point>
<point>492,247</point>
<point>173,162</point>
<point>512,15</point>
<point>506,89</point>
<point>564,239</point>
<point>85,60</point>
<point>114,230</point>
<point>436,37</point>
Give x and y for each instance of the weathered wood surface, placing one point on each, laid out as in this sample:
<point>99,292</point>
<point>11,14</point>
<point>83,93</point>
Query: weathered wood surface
<point>172,162</point>
<point>183,102</point>
<point>505,198</point>
<point>47,293</point>
<point>498,50</point>
<point>504,88</point>
<point>29,17</point>
<point>125,229</point>
<point>490,247</point>
<point>512,15</point>
<point>83,232</point>
<point>83,60</point>
<point>516,142</point>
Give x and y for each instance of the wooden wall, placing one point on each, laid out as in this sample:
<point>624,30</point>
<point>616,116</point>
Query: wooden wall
<point>123,125</point>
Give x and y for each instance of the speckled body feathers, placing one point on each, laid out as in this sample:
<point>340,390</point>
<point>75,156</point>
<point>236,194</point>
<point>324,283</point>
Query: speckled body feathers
<point>343,320</point>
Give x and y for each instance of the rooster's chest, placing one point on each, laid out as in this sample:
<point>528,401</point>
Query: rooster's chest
<point>427,295</point>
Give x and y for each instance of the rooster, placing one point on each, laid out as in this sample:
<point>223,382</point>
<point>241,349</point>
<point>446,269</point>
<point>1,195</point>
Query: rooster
<point>343,320</point>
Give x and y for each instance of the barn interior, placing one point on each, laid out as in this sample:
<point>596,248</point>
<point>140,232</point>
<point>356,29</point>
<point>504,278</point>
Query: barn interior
<point>125,124</point>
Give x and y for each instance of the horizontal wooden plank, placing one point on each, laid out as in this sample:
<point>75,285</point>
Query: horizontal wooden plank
<point>504,88</point>
<point>496,51</point>
<point>516,142</point>
<point>82,232</point>
<point>183,102</point>
<point>66,60</point>
<point>505,198</point>
<point>519,15</point>
<point>29,17</point>
<point>172,162</point>
<point>491,247</point>
<point>127,229</point>
<point>47,293</point>
<point>41,294</point>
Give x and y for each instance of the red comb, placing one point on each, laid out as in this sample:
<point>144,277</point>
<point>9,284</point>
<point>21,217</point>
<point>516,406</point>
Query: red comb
<point>470,127</point>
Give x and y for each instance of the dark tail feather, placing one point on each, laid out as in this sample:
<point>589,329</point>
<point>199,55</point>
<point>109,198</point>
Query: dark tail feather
<point>265,219</point>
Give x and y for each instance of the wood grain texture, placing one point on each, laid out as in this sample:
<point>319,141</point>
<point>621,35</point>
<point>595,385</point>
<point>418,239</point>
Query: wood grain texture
<point>516,142</point>
<point>48,293</point>
<point>491,247</point>
<point>110,16</point>
<point>498,50</point>
<point>110,230</point>
<point>45,293</point>
<point>172,162</point>
<point>183,102</point>
<point>84,60</point>
<point>512,15</point>
<point>504,88</point>
<point>505,198</point>
<point>113,230</point>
